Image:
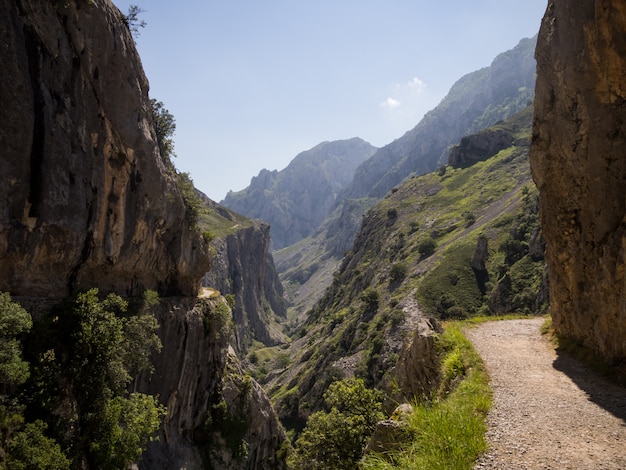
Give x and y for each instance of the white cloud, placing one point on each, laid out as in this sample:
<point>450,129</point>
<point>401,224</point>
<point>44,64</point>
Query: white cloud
<point>416,84</point>
<point>390,103</point>
<point>406,102</point>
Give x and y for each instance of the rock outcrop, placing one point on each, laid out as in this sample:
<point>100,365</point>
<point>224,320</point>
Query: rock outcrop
<point>578,163</point>
<point>86,199</point>
<point>479,147</point>
<point>297,199</point>
<point>243,267</point>
<point>218,417</point>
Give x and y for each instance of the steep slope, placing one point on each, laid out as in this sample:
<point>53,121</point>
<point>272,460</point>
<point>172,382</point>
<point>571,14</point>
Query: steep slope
<point>448,244</point>
<point>87,202</point>
<point>476,101</point>
<point>579,167</point>
<point>296,200</point>
<point>244,268</point>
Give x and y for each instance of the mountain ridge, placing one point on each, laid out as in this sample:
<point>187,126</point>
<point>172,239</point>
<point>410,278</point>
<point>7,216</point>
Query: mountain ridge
<point>295,200</point>
<point>476,100</point>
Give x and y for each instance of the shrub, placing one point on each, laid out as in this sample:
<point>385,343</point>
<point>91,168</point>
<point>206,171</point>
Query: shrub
<point>371,299</point>
<point>398,272</point>
<point>427,247</point>
<point>336,438</point>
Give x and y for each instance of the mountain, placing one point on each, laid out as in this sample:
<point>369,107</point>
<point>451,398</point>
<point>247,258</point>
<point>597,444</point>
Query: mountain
<point>449,244</point>
<point>296,200</point>
<point>243,268</point>
<point>476,101</point>
<point>577,160</point>
<point>101,261</point>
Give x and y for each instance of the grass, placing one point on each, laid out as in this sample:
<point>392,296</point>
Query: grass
<point>447,431</point>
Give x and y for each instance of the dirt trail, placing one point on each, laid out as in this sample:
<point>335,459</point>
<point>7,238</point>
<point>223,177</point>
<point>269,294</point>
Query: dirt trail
<point>549,412</point>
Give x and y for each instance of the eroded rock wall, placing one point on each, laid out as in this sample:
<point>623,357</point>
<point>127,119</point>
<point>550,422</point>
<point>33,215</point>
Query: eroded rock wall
<point>217,416</point>
<point>243,266</point>
<point>578,164</point>
<point>85,199</point>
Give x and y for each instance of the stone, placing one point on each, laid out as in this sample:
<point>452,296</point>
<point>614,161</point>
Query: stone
<point>86,199</point>
<point>577,162</point>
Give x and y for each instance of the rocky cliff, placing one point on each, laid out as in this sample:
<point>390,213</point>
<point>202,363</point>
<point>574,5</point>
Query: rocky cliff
<point>86,199</point>
<point>217,416</point>
<point>578,164</point>
<point>244,268</point>
<point>297,199</point>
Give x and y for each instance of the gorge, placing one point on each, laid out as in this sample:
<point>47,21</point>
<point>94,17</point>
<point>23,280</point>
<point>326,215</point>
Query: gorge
<point>116,258</point>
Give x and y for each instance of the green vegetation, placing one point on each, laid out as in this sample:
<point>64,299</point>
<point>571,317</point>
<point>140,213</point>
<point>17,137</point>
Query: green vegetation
<point>438,244</point>
<point>426,247</point>
<point>194,206</point>
<point>132,20</point>
<point>66,402</point>
<point>446,432</point>
<point>14,323</point>
<point>336,438</point>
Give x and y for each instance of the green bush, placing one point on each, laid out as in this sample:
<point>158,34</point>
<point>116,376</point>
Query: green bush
<point>371,299</point>
<point>427,247</point>
<point>336,438</point>
<point>398,272</point>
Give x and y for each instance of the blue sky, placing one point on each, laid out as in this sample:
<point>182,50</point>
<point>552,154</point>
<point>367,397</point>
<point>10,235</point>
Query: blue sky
<point>253,83</point>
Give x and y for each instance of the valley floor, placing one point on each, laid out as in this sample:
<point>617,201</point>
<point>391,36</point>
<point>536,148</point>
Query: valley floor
<point>549,412</point>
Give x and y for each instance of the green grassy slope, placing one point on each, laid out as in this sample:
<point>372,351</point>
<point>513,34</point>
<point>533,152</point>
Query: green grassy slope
<point>419,246</point>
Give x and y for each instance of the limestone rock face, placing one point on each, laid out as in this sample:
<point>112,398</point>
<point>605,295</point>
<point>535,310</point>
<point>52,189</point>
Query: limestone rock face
<point>416,373</point>
<point>479,147</point>
<point>215,411</point>
<point>243,266</point>
<point>578,163</point>
<point>85,200</point>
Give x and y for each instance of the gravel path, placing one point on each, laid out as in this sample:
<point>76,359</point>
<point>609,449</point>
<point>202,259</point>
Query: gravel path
<point>549,412</point>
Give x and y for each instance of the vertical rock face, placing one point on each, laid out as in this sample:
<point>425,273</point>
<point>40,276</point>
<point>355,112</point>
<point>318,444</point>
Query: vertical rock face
<point>85,199</point>
<point>578,163</point>
<point>243,267</point>
<point>217,417</point>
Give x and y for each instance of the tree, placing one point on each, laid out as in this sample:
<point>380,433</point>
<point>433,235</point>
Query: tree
<point>336,438</point>
<point>132,20</point>
<point>115,427</point>
<point>128,425</point>
<point>427,247</point>
<point>371,299</point>
<point>14,323</point>
<point>30,448</point>
<point>164,127</point>
<point>398,272</point>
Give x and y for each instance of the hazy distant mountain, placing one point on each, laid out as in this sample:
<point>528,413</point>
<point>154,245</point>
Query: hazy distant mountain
<point>297,199</point>
<point>452,243</point>
<point>476,101</point>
